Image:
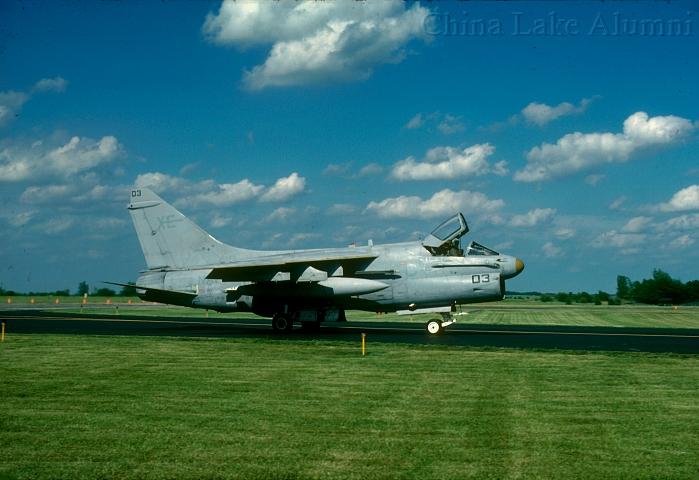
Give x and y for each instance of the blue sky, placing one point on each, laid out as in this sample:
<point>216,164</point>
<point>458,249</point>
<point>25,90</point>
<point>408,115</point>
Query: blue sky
<point>568,139</point>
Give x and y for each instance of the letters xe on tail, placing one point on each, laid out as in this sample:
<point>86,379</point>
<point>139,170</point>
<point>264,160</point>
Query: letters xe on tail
<point>187,266</point>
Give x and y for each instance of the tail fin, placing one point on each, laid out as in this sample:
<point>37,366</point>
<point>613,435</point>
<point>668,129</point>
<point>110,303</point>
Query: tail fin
<point>171,240</point>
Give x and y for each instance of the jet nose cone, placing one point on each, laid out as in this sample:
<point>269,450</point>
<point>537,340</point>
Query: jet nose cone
<point>512,267</point>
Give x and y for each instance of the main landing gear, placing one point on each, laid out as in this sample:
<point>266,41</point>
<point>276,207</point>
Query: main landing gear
<point>282,322</point>
<point>436,326</point>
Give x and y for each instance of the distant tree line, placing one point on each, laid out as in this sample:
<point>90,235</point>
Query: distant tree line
<point>13,293</point>
<point>580,297</point>
<point>83,289</point>
<point>660,289</point>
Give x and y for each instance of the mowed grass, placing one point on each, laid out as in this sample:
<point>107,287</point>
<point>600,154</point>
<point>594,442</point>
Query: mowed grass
<point>130,407</point>
<point>641,316</point>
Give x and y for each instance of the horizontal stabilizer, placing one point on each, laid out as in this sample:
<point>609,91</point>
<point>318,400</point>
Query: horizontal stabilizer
<point>139,287</point>
<point>176,297</point>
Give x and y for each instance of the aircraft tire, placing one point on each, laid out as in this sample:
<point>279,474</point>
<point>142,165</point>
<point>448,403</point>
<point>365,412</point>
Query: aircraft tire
<point>282,323</point>
<point>434,327</point>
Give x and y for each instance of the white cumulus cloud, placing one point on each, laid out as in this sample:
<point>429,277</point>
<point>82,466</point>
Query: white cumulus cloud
<point>229,193</point>
<point>564,233</point>
<point>443,203</point>
<point>18,219</point>
<point>685,199</point>
<point>533,217</point>
<point>280,215</point>
<point>341,209</point>
<point>551,251</point>
<point>617,239</point>
<point>78,155</point>
<point>541,114</point>
<point>577,151</point>
<point>56,225</point>
<point>449,163</point>
<point>451,124</point>
<point>370,169</point>
<point>594,179</point>
<point>416,122</point>
<point>209,192</point>
<point>160,182</point>
<point>45,193</point>
<point>218,221</point>
<point>682,241</point>
<point>11,101</point>
<point>617,203</point>
<point>444,122</point>
<point>83,154</point>
<point>284,188</point>
<point>56,84</point>
<point>637,224</point>
<point>316,42</point>
<point>683,222</point>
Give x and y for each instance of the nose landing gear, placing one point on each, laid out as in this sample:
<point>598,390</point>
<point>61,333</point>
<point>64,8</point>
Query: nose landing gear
<point>436,326</point>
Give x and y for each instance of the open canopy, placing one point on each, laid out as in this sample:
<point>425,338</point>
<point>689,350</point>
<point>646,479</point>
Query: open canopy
<point>444,236</point>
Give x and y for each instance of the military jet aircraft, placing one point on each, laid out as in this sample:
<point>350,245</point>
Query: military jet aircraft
<point>187,266</point>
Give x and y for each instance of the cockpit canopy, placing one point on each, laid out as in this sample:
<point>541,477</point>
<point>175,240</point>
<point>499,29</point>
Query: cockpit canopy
<point>445,240</point>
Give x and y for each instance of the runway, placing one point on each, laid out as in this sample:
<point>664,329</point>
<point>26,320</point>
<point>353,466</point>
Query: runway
<point>660,340</point>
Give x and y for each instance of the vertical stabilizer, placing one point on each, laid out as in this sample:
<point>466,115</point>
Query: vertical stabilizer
<point>171,240</point>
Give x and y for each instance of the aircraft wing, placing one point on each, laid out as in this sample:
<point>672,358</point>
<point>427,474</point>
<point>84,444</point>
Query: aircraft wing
<point>311,266</point>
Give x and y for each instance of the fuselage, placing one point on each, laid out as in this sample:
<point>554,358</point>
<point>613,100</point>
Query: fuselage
<point>414,279</point>
<point>189,267</point>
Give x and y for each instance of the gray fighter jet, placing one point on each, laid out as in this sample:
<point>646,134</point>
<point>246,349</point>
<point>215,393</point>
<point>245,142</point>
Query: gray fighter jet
<point>187,266</point>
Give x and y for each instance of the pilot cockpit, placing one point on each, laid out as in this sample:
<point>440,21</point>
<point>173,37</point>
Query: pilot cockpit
<point>445,240</point>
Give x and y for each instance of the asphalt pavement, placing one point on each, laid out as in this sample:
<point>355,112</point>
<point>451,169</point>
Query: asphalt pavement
<point>660,340</point>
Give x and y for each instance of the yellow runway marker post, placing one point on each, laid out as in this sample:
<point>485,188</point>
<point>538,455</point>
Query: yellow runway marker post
<point>363,344</point>
<point>2,338</point>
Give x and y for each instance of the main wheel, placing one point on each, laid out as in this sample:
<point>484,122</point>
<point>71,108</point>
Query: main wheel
<point>434,327</point>
<point>282,322</point>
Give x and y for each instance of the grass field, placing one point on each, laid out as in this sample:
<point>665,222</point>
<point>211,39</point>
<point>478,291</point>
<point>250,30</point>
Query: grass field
<point>134,407</point>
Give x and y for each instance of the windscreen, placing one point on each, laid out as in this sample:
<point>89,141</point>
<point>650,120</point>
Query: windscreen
<point>478,249</point>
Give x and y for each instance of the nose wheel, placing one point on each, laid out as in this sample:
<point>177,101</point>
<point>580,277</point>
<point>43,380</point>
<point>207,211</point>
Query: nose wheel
<point>436,326</point>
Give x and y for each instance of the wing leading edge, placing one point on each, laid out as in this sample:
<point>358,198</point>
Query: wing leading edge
<point>297,267</point>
